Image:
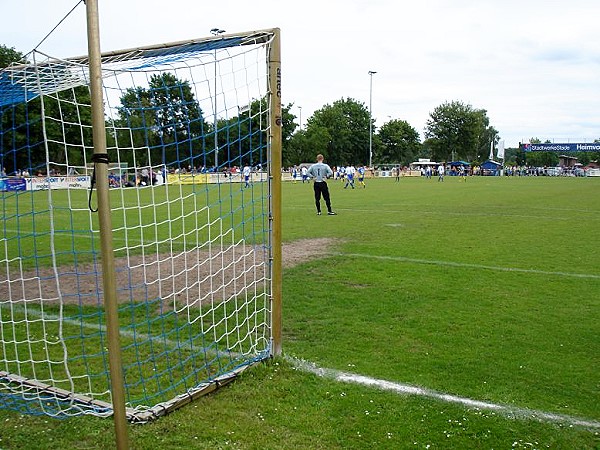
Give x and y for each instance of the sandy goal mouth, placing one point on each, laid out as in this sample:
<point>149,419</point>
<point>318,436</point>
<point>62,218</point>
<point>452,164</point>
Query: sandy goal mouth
<point>199,274</point>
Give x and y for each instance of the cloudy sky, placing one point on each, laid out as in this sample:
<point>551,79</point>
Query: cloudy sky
<point>534,65</point>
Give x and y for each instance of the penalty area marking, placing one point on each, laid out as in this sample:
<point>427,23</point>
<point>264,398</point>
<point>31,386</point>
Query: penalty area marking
<point>470,266</point>
<point>507,411</point>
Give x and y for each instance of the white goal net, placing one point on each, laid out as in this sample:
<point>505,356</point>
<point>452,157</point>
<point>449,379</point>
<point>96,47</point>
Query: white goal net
<point>192,232</point>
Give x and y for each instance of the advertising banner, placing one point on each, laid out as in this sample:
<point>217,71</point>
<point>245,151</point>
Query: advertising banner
<point>13,184</point>
<point>187,178</point>
<point>562,148</point>
<point>74,182</point>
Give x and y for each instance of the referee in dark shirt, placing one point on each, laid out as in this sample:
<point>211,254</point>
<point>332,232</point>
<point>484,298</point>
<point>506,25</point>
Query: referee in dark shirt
<point>320,172</point>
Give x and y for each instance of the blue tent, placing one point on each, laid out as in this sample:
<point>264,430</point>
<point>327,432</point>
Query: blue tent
<point>491,165</point>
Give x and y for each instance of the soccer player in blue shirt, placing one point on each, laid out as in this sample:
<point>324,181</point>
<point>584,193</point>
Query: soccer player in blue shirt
<point>361,176</point>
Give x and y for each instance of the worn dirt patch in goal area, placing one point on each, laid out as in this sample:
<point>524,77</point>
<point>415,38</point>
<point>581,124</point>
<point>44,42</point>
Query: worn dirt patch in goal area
<point>304,250</point>
<point>190,277</point>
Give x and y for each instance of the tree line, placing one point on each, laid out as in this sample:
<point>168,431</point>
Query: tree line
<point>165,118</point>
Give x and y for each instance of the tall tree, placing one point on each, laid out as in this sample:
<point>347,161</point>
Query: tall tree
<point>303,146</point>
<point>165,118</point>
<point>22,132</point>
<point>456,130</point>
<point>541,159</point>
<point>246,134</point>
<point>399,143</point>
<point>487,135</point>
<point>67,126</point>
<point>9,55</point>
<point>70,137</point>
<point>294,143</point>
<point>289,124</point>
<point>11,137</point>
<point>347,124</point>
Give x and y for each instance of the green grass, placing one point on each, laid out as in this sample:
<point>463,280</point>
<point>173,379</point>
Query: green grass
<point>165,217</point>
<point>168,346</point>
<point>488,289</point>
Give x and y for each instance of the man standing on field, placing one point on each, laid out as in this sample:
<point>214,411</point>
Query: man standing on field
<point>320,172</point>
<point>246,173</point>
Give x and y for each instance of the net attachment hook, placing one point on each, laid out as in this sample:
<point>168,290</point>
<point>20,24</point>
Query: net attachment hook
<point>97,158</point>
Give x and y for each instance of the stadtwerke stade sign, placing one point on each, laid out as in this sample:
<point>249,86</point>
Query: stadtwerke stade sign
<point>595,147</point>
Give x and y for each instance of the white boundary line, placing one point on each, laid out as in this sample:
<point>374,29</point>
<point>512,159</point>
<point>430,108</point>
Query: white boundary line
<point>507,411</point>
<point>399,388</point>
<point>470,266</point>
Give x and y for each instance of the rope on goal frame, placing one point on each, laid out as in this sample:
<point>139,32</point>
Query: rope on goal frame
<point>56,26</point>
<point>97,158</point>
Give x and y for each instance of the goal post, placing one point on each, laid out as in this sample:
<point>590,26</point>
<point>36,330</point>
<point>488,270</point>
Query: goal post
<point>197,251</point>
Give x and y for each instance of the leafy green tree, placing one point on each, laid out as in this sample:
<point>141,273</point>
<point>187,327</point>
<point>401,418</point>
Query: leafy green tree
<point>304,146</point>
<point>456,130</point>
<point>398,143</point>
<point>587,157</point>
<point>69,134</point>
<point>11,137</point>
<point>297,150</point>
<point>340,132</point>
<point>541,159</point>
<point>22,143</point>
<point>165,118</point>
<point>9,56</point>
<point>595,156</point>
<point>515,156</point>
<point>294,142</point>
<point>288,125</point>
<point>70,138</point>
<point>583,157</point>
<point>486,135</point>
<point>549,159</point>
<point>243,138</point>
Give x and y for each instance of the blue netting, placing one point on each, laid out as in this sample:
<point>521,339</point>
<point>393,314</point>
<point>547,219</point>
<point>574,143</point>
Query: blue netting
<point>187,141</point>
<point>11,93</point>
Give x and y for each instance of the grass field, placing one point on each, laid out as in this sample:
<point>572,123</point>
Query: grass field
<point>486,290</point>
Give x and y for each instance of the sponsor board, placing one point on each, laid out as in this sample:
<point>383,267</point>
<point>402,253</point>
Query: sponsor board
<point>13,184</point>
<point>59,182</point>
<point>562,148</point>
<point>187,178</point>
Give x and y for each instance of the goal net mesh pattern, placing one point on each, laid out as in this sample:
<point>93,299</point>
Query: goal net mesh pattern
<point>191,228</point>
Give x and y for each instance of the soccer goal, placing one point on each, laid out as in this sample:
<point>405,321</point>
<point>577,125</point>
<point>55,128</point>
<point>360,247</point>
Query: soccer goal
<point>196,250</point>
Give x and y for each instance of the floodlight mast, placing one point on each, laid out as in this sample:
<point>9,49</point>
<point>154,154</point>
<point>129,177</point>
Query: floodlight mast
<point>371,73</point>
<point>216,32</point>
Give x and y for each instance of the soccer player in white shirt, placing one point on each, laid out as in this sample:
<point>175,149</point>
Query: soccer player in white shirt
<point>350,171</point>
<point>246,173</point>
